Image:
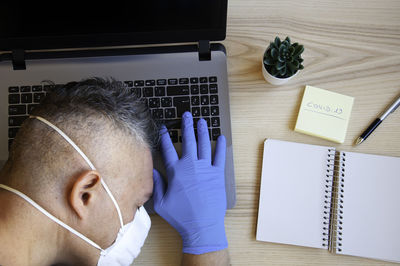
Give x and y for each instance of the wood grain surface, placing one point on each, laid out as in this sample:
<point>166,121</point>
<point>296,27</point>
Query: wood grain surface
<point>351,47</point>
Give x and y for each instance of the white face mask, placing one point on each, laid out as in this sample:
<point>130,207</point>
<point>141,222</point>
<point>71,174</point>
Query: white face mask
<point>130,237</point>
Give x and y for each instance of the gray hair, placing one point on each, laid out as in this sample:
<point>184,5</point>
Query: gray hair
<point>105,97</point>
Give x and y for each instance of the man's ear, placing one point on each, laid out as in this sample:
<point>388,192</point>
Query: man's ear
<point>85,191</point>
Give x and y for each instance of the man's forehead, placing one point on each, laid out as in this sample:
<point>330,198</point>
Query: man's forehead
<point>138,173</point>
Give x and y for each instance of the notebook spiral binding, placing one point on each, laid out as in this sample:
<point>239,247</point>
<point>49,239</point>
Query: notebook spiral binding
<point>340,202</point>
<point>332,228</point>
<point>328,197</point>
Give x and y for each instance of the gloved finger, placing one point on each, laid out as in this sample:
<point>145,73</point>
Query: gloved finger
<point>203,145</point>
<point>188,139</point>
<point>220,152</point>
<point>159,188</point>
<point>167,148</point>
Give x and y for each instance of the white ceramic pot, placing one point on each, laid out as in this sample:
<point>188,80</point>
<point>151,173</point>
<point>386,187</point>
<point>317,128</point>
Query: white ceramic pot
<point>274,80</point>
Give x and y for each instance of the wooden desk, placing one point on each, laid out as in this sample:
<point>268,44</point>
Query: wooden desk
<point>351,47</point>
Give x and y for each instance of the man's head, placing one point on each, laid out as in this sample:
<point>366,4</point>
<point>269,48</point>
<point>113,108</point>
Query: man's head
<point>114,129</point>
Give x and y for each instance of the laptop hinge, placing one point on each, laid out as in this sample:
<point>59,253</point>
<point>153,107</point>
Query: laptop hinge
<point>18,59</point>
<point>204,50</point>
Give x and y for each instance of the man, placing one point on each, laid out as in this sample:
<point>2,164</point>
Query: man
<point>80,170</point>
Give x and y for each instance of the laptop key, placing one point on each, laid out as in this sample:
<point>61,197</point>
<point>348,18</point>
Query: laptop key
<point>26,98</point>
<point>13,89</point>
<point>31,107</point>
<point>194,89</point>
<point>139,83</point>
<point>195,100</point>
<point>148,92</point>
<point>215,122</point>
<point>214,110</point>
<point>216,132</point>
<point>205,111</point>
<point>205,100</point>
<point>182,105</point>
<point>172,82</point>
<point>169,113</point>
<point>204,89</point>
<point>137,92</point>
<point>13,98</point>
<point>183,81</point>
<point>159,91</point>
<point>212,79</point>
<point>37,88</point>
<point>194,80</point>
<point>16,121</point>
<point>25,88</point>
<point>48,88</point>
<point>129,83</point>
<point>203,79</point>
<point>154,102</point>
<point>177,90</point>
<point>38,97</point>
<point>12,132</point>
<point>16,109</point>
<point>173,123</point>
<point>196,111</point>
<point>161,82</point>
<point>166,102</point>
<point>158,113</point>
<point>213,88</point>
<point>213,99</point>
<point>150,82</point>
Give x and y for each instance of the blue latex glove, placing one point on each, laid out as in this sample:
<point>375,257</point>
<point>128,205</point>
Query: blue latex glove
<point>194,199</point>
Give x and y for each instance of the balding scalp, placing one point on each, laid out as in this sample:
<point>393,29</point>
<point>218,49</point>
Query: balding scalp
<point>98,114</point>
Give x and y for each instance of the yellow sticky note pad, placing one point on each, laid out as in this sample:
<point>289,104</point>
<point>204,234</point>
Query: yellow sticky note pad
<point>324,114</point>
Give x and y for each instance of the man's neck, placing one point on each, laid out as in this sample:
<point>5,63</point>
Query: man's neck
<point>28,237</point>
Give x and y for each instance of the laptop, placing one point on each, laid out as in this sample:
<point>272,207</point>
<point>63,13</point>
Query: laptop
<point>164,51</point>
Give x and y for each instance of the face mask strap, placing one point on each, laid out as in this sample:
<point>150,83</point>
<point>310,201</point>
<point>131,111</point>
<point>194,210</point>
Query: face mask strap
<point>113,200</point>
<point>70,141</point>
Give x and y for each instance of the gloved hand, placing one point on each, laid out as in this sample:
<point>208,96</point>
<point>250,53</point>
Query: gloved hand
<point>194,199</point>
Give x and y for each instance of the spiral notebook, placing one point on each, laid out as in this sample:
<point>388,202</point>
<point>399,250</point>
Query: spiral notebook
<point>345,202</point>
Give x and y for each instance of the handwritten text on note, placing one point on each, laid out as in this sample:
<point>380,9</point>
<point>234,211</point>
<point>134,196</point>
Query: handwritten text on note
<point>335,110</point>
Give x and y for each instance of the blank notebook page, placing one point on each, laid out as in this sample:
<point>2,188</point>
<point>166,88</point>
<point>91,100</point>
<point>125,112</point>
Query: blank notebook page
<point>371,208</point>
<point>292,193</point>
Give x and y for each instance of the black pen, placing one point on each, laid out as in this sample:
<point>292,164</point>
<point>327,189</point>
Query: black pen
<point>377,121</point>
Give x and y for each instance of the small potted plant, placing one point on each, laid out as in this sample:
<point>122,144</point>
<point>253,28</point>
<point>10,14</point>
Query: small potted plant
<point>282,61</point>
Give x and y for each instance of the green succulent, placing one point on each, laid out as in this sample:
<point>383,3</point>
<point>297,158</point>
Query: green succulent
<point>283,59</point>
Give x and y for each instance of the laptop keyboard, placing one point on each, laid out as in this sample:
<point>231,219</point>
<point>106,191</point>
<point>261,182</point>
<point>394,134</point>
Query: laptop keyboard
<point>167,99</point>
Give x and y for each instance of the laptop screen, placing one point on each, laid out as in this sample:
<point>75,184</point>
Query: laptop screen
<point>70,24</point>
